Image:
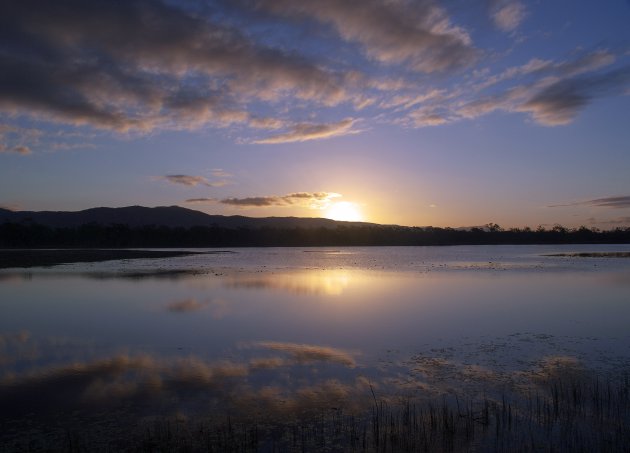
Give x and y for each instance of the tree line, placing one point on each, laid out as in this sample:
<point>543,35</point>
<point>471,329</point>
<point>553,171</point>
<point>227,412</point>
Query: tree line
<point>31,235</point>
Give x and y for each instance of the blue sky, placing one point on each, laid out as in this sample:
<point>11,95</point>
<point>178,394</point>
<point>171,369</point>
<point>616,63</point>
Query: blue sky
<point>452,113</point>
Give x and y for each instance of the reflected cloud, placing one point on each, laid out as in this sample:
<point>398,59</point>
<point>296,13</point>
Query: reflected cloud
<point>151,383</point>
<point>217,307</point>
<point>305,353</point>
<point>184,306</point>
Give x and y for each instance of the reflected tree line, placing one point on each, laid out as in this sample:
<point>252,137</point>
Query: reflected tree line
<point>31,235</point>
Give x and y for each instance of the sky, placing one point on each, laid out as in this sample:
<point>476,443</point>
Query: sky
<point>412,112</point>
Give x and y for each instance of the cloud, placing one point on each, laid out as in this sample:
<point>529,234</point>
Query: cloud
<point>616,221</point>
<point>307,131</point>
<point>305,353</point>
<point>620,202</point>
<point>312,200</point>
<point>191,181</point>
<point>187,180</point>
<point>418,34</point>
<point>560,102</point>
<point>507,14</point>
<point>144,64</point>
<point>611,202</point>
<point>19,149</point>
<point>557,94</point>
<point>202,200</point>
<point>428,117</point>
<point>220,173</point>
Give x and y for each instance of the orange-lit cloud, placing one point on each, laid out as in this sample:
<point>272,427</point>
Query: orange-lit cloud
<point>187,180</point>
<point>306,131</point>
<point>312,200</point>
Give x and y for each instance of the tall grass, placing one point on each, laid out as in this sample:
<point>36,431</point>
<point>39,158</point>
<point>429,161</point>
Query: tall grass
<point>563,413</point>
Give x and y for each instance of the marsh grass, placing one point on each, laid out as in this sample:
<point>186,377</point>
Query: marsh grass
<point>563,412</point>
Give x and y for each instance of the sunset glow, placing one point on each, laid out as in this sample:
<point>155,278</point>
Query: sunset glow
<point>345,211</point>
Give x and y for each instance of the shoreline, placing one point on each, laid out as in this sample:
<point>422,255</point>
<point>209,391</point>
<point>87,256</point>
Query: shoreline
<point>26,258</point>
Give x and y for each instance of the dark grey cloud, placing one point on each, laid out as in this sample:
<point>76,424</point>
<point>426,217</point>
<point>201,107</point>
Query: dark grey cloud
<point>619,202</point>
<point>558,93</point>
<point>189,180</point>
<point>201,200</point>
<point>611,202</point>
<point>418,34</point>
<point>619,221</point>
<point>560,102</point>
<point>313,200</point>
<point>140,64</point>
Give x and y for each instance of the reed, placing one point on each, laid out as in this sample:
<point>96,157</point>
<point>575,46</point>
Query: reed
<point>563,413</point>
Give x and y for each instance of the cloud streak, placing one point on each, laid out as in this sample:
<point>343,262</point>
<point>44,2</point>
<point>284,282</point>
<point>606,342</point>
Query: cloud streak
<point>187,180</point>
<point>312,200</point>
<point>307,131</point>
<point>620,202</point>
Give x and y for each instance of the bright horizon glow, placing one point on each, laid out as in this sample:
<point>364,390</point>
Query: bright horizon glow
<point>345,211</point>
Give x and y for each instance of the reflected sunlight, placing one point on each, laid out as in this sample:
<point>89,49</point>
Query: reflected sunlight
<point>346,211</point>
<point>328,282</point>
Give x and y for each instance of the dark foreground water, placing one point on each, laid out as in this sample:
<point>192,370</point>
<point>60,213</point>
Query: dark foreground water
<point>95,352</point>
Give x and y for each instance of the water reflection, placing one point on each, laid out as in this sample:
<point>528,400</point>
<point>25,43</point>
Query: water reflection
<point>303,376</point>
<point>315,281</point>
<point>198,339</point>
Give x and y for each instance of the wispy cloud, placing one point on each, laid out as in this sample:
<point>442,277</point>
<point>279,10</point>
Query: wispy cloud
<point>187,180</point>
<point>192,180</point>
<point>560,102</point>
<point>616,221</point>
<point>418,34</point>
<point>507,14</point>
<point>103,64</point>
<point>312,200</point>
<point>619,202</point>
<point>201,200</point>
<point>19,149</point>
<point>307,131</point>
<point>558,93</point>
<point>148,65</point>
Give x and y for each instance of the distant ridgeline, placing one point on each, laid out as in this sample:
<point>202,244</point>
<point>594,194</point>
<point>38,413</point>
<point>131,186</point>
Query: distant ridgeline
<point>138,226</point>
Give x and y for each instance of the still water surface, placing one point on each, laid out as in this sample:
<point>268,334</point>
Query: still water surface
<point>284,328</point>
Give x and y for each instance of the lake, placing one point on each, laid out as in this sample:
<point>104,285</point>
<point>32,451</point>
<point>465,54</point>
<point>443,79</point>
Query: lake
<point>274,331</point>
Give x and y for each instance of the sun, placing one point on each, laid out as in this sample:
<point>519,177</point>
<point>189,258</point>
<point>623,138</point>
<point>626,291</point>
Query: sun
<point>345,211</point>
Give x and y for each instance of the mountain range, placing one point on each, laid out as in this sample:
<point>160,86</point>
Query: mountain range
<point>169,216</point>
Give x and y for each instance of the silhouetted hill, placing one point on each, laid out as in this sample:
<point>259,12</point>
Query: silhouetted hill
<point>137,226</point>
<point>167,216</point>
